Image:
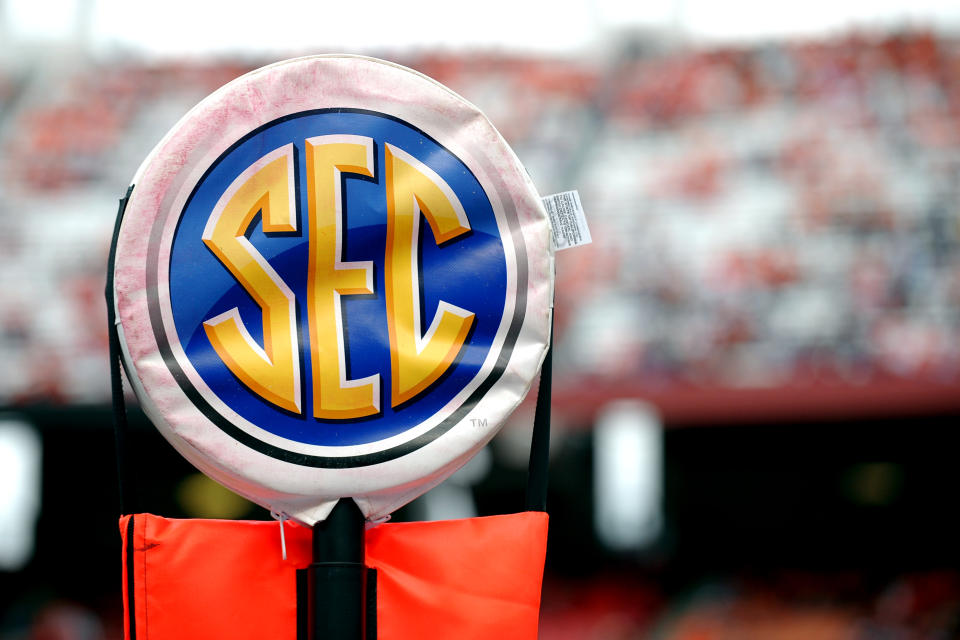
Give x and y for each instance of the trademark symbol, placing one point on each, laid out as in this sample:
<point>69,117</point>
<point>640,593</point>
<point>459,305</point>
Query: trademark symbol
<point>478,422</point>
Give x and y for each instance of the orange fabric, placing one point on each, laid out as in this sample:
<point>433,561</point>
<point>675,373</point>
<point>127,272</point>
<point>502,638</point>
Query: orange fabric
<point>206,579</point>
<point>475,578</point>
<point>210,579</point>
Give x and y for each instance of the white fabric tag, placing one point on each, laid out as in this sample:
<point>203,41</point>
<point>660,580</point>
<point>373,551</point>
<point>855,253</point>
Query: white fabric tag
<point>283,539</point>
<point>567,220</point>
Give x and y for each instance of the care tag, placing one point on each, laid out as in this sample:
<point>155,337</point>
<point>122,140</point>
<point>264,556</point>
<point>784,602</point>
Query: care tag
<point>567,220</point>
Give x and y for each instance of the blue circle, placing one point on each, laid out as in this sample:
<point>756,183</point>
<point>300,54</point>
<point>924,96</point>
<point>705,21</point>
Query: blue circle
<point>469,272</point>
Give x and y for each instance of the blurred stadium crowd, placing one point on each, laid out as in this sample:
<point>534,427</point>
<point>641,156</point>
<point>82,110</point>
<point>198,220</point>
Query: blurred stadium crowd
<point>777,212</point>
<point>760,215</point>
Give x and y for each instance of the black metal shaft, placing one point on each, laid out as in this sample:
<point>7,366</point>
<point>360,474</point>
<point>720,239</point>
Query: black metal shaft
<point>336,577</point>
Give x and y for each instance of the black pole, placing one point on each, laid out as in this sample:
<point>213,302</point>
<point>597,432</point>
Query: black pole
<point>336,586</point>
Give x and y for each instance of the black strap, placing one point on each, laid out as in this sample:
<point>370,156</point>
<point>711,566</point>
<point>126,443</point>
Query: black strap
<point>131,580</point>
<point>538,472</point>
<point>371,605</point>
<point>120,428</point>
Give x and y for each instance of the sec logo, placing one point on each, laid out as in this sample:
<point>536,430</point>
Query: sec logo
<point>333,279</point>
<point>326,270</point>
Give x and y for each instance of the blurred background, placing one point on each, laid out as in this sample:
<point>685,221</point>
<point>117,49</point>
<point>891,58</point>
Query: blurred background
<point>757,383</point>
